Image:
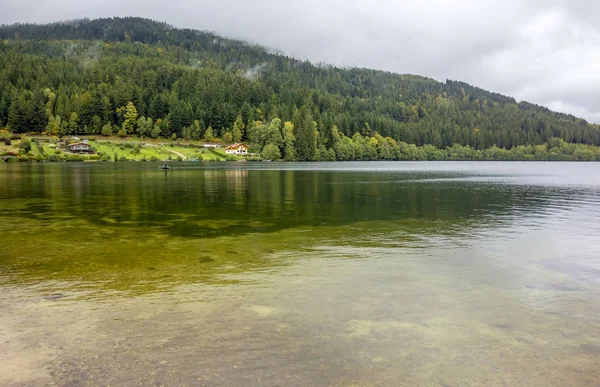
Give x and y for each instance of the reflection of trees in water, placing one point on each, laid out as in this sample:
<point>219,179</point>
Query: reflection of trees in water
<point>211,202</point>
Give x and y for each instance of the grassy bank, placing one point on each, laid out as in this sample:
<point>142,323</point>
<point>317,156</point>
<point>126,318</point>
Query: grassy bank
<point>111,149</point>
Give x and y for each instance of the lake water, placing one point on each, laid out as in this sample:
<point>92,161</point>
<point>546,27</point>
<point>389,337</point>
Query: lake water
<point>321,274</point>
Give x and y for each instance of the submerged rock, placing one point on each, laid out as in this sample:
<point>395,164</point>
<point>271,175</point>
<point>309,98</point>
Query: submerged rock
<point>54,297</point>
<point>205,259</point>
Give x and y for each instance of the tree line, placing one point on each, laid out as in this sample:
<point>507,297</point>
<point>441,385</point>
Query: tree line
<point>133,76</point>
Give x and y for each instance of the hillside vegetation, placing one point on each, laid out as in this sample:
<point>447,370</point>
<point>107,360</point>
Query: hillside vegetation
<point>133,76</point>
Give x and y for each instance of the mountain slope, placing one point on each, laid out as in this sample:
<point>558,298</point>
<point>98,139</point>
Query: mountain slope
<point>186,81</point>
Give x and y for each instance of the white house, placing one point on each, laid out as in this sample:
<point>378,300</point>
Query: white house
<point>237,149</point>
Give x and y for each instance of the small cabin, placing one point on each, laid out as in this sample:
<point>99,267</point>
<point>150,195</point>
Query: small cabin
<point>80,147</point>
<point>211,145</point>
<point>237,149</point>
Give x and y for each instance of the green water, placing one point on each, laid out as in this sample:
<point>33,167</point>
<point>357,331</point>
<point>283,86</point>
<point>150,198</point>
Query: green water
<point>342,274</point>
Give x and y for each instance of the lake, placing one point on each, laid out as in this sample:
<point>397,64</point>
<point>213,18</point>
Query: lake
<point>316,274</point>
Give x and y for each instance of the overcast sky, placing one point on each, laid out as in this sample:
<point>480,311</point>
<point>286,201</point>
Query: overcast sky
<point>542,51</point>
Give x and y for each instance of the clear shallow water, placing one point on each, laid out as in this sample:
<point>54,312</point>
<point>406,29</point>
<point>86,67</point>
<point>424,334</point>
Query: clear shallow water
<point>440,274</point>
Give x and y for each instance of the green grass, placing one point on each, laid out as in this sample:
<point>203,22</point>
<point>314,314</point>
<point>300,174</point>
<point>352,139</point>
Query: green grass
<point>116,146</point>
<point>35,150</point>
<point>161,152</point>
<point>218,153</point>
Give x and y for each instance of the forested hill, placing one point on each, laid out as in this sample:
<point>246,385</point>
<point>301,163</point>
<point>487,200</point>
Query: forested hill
<point>81,76</point>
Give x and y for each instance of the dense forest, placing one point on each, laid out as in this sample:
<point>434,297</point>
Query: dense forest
<point>133,76</point>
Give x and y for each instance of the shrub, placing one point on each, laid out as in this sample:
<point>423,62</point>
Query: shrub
<point>53,158</point>
<point>153,158</point>
<point>74,158</point>
<point>122,133</point>
<point>136,149</point>
<point>107,130</point>
<point>179,158</point>
<point>123,158</point>
<point>271,152</point>
<point>94,157</point>
<point>25,145</point>
<point>92,138</point>
<point>170,158</point>
<point>105,157</point>
<point>7,141</point>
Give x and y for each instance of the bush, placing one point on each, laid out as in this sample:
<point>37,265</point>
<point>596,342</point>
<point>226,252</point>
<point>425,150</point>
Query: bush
<point>92,138</point>
<point>74,158</point>
<point>25,145</point>
<point>7,141</point>
<point>123,158</point>
<point>122,133</point>
<point>170,158</point>
<point>94,157</point>
<point>136,149</point>
<point>179,158</point>
<point>107,130</point>
<point>153,158</point>
<point>53,158</point>
<point>271,152</point>
<point>105,158</point>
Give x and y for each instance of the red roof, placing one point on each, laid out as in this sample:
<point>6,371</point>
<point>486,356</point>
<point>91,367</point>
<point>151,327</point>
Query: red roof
<point>236,145</point>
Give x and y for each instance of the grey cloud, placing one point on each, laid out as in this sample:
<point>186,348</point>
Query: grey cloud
<point>542,52</point>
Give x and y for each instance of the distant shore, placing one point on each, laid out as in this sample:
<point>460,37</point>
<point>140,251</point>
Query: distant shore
<point>44,148</point>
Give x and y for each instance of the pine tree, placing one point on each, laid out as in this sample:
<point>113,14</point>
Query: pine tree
<point>37,112</point>
<point>73,123</point>
<point>130,117</point>
<point>238,128</point>
<point>305,135</point>
<point>17,115</point>
<point>289,141</point>
<point>208,135</point>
